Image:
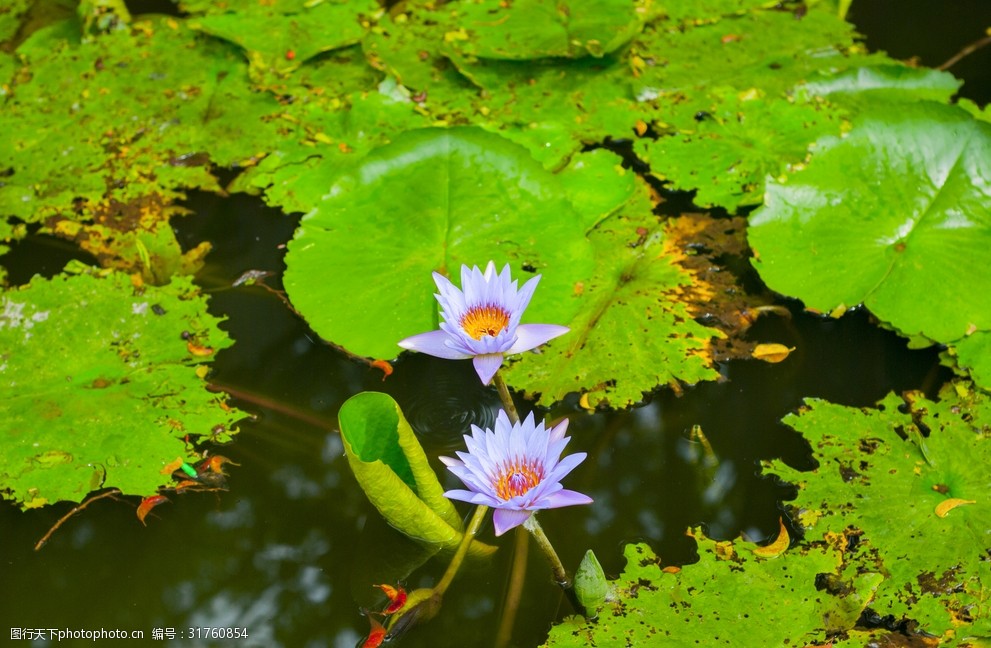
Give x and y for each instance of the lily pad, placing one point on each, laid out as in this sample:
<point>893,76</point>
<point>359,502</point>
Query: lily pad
<point>474,196</point>
<point>730,593</point>
<point>904,487</point>
<point>532,29</point>
<point>893,215</point>
<point>100,386</point>
<point>736,142</point>
<point>278,37</point>
<point>392,469</point>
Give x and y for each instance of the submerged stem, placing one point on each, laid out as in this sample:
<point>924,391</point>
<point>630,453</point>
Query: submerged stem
<point>557,568</point>
<point>473,526</point>
<point>507,400</point>
<point>517,576</point>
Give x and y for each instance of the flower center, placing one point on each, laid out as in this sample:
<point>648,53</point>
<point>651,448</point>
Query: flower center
<point>517,479</point>
<point>484,320</point>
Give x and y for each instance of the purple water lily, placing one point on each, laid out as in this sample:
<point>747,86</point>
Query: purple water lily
<point>482,321</point>
<point>516,469</point>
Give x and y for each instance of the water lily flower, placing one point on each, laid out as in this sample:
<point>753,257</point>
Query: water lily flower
<point>482,321</point>
<point>516,469</point>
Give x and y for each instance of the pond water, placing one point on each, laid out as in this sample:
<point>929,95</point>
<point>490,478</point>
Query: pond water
<point>291,551</point>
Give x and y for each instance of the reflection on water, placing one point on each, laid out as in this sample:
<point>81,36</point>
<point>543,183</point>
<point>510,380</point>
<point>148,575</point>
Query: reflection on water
<point>292,550</point>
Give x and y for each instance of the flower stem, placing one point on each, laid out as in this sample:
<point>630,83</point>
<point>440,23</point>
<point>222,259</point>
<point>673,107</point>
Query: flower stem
<point>507,400</point>
<point>557,568</point>
<point>473,526</point>
<point>517,576</point>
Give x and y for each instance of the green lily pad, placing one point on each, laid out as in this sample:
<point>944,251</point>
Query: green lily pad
<point>732,592</point>
<point>894,216</point>
<point>737,141</point>
<point>532,29</point>
<point>392,469</point>
<point>278,37</point>
<point>100,388</point>
<point>883,82</point>
<point>908,481</point>
<point>474,196</point>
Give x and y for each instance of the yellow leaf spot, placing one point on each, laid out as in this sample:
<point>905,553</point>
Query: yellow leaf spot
<point>838,312</point>
<point>771,352</point>
<point>583,402</point>
<point>202,371</point>
<point>198,350</point>
<point>777,547</point>
<point>944,507</point>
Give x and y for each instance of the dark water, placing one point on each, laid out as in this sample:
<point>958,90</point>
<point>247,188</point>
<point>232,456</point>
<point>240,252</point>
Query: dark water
<point>291,551</point>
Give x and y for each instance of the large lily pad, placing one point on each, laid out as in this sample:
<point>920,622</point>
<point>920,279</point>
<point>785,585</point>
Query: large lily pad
<point>730,593</point>
<point>894,216</point>
<point>472,195</point>
<point>392,469</point>
<point>100,388</point>
<point>905,488</point>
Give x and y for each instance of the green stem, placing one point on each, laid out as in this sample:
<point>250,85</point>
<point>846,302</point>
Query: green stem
<point>473,526</point>
<point>517,577</point>
<point>557,568</point>
<point>507,400</point>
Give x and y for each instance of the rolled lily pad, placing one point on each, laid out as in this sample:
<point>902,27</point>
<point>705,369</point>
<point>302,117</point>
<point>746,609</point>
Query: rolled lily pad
<point>361,274</point>
<point>392,469</point>
<point>894,215</point>
<point>905,487</point>
<point>100,387</point>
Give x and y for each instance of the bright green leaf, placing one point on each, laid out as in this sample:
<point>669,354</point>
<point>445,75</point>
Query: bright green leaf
<point>893,215</point>
<point>280,36</point>
<point>100,387</point>
<point>392,469</point>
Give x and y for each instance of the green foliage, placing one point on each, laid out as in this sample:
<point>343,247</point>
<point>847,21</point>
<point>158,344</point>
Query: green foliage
<point>893,215</point>
<point>908,482</point>
<point>139,139</point>
<point>100,388</point>
<point>533,29</point>
<point>392,469</point>
<point>278,37</point>
<point>730,593</point>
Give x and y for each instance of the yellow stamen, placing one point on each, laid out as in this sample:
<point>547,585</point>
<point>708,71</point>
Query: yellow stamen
<point>517,479</point>
<point>484,320</point>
